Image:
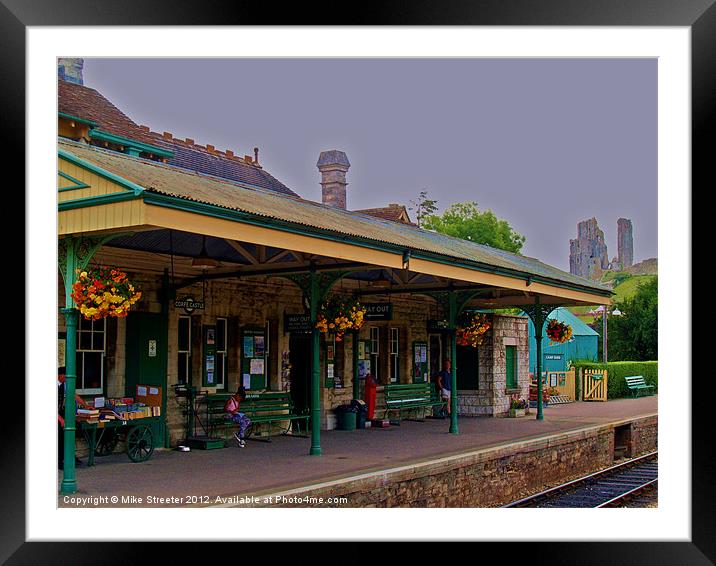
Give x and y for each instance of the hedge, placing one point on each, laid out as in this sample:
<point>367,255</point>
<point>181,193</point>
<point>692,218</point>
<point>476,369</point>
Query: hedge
<point>617,371</point>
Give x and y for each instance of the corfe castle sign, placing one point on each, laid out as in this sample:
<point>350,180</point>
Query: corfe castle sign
<point>188,304</point>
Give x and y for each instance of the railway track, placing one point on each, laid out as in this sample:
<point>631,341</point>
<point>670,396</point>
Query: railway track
<point>622,485</point>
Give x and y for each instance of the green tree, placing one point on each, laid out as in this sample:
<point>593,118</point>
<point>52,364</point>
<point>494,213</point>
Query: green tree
<point>633,336</point>
<point>464,220</point>
<point>423,207</point>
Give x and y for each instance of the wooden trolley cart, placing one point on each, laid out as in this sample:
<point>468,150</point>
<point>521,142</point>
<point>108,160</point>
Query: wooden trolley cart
<point>102,437</point>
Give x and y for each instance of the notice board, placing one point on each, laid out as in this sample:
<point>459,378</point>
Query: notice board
<point>420,362</point>
<point>253,358</point>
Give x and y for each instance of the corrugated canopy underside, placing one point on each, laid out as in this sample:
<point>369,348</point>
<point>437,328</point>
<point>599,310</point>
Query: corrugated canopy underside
<point>182,184</point>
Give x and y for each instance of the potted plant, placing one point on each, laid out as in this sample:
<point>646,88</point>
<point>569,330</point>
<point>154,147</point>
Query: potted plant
<point>337,315</point>
<point>104,291</point>
<point>518,407</point>
<point>471,329</point>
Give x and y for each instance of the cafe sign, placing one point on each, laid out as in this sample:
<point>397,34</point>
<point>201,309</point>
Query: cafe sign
<point>188,304</point>
<point>378,311</point>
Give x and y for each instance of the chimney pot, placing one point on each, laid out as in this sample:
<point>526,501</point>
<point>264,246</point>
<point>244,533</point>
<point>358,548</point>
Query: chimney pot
<point>210,148</point>
<point>229,153</point>
<point>248,159</point>
<point>189,141</point>
<point>168,135</point>
<point>333,166</point>
<point>70,69</point>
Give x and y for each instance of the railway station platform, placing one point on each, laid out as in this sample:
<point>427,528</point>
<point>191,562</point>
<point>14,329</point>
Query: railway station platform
<point>415,464</point>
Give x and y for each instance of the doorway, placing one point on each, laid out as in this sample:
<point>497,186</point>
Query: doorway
<point>146,355</point>
<point>299,357</point>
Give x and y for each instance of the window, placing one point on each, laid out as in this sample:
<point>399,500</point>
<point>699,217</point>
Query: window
<point>222,370</point>
<point>90,355</point>
<point>394,366</point>
<point>374,351</point>
<point>184,350</point>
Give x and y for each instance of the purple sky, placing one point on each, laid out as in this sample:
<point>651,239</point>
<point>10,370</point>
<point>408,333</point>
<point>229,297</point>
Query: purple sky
<point>544,143</point>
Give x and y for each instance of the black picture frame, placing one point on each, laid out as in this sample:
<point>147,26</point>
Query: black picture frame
<point>699,15</point>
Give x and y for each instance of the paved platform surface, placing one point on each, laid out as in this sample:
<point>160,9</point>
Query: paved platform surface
<point>284,463</point>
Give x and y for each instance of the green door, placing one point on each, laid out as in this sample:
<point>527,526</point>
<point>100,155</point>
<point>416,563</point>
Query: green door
<point>147,362</point>
<point>511,355</point>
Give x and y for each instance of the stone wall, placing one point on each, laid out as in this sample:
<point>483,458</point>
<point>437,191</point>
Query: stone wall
<point>484,478</point>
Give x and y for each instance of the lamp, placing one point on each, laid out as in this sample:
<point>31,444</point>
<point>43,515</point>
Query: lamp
<point>381,281</point>
<point>203,261</point>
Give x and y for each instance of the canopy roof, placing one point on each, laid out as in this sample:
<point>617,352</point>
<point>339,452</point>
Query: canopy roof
<point>148,178</point>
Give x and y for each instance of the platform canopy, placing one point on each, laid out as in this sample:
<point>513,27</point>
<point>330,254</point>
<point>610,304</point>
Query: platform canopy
<point>159,214</point>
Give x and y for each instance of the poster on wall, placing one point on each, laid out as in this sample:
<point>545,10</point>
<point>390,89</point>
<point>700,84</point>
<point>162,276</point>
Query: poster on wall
<point>258,346</point>
<point>248,346</point>
<point>562,380</point>
<point>257,366</point>
<point>553,380</point>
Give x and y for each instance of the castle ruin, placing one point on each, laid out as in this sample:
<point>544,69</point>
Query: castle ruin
<point>588,255</point>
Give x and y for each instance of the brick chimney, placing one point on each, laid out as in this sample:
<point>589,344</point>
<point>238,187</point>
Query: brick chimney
<point>70,69</point>
<point>333,166</point>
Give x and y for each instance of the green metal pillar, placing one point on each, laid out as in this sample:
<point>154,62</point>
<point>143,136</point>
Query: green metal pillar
<point>315,368</point>
<point>356,382</point>
<point>452,306</point>
<point>69,479</point>
<point>539,324</point>
<point>74,253</point>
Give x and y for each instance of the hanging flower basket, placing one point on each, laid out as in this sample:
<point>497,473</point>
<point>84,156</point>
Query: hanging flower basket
<point>558,332</point>
<point>337,315</point>
<point>104,291</point>
<point>473,329</point>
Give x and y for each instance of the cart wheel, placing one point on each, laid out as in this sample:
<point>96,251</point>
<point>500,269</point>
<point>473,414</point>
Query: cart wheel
<point>140,443</point>
<point>108,443</point>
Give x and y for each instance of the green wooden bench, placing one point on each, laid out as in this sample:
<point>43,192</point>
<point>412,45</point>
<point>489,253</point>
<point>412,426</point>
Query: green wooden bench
<point>412,398</point>
<point>269,407</point>
<point>638,386</point>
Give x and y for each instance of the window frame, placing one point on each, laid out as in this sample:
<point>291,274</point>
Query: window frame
<point>186,352</point>
<point>222,353</point>
<point>80,355</point>
<point>374,351</point>
<point>394,354</point>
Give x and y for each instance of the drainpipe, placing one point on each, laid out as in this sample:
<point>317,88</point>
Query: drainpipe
<point>315,369</point>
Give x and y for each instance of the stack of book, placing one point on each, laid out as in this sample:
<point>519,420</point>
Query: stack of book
<point>88,415</point>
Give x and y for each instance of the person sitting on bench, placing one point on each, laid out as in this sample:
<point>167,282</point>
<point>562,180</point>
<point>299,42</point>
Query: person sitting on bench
<point>232,409</point>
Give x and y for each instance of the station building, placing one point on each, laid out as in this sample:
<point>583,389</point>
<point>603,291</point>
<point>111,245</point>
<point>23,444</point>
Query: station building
<point>234,263</point>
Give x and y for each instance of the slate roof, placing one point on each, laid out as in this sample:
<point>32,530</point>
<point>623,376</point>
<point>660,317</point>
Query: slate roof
<point>171,181</point>
<point>86,103</point>
<point>198,158</point>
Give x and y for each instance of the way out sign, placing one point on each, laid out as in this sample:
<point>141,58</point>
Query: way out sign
<point>378,311</point>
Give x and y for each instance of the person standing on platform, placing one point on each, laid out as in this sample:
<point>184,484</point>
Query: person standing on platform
<point>445,383</point>
<point>371,385</point>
